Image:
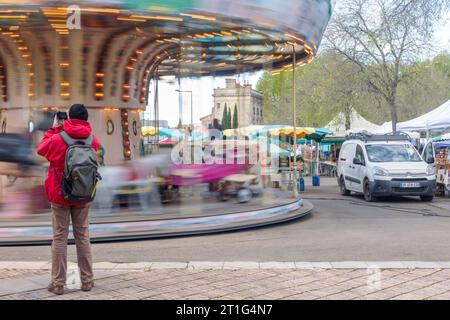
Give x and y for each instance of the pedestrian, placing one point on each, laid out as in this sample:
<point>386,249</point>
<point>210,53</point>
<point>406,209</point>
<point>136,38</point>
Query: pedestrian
<point>73,132</point>
<point>216,130</point>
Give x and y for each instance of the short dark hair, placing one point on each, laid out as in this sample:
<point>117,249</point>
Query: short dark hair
<point>78,111</point>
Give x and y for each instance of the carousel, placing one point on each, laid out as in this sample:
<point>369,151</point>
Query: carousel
<point>105,54</point>
<point>110,54</point>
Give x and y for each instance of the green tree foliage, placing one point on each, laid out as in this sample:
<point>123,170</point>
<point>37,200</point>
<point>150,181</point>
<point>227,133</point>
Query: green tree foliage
<point>331,84</point>
<point>235,118</point>
<point>324,88</point>
<point>383,38</point>
<point>225,118</point>
<point>426,87</point>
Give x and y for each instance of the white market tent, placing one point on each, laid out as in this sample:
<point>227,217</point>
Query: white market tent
<point>384,128</point>
<point>357,124</point>
<point>435,120</point>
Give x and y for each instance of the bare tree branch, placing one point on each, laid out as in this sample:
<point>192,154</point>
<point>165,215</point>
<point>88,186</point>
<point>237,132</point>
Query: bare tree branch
<point>383,36</point>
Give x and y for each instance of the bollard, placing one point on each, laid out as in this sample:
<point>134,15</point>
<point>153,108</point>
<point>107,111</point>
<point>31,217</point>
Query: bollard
<point>316,181</point>
<point>301,185</point>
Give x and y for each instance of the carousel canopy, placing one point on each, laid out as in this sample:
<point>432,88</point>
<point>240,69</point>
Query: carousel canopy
<point>189,37</point>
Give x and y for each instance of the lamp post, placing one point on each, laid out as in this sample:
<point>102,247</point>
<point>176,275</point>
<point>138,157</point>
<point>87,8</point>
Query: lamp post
<point>294,189</point>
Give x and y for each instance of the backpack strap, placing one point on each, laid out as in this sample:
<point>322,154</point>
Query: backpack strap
<point>71,141</point>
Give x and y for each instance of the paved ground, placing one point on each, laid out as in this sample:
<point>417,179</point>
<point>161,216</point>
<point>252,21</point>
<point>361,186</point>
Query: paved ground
<point>243,280</point>
<point>340,229</point>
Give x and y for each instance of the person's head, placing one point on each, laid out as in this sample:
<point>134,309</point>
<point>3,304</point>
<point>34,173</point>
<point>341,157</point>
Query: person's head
<point>78,111</point>
<point>215,123</point>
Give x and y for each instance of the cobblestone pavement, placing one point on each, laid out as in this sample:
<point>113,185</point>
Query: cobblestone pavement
<point>242,280</point>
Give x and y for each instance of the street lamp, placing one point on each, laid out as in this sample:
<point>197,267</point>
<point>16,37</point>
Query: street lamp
<point>294,189</point>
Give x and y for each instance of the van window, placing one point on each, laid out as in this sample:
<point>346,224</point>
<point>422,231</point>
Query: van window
<point>347,151</point>
<point>392,153</point>
<point>360,154</point>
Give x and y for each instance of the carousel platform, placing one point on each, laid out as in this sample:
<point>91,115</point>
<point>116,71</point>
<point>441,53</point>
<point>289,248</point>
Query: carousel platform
<point>195,214</point>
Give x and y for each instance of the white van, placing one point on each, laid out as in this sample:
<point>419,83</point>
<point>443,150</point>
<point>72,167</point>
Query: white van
<point>385,165</point>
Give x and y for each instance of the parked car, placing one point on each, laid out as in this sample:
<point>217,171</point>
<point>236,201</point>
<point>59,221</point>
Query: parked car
<point>385,165</point>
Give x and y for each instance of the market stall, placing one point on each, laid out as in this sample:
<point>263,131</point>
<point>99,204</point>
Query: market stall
<point>442,167</point>
<point>308,153</point>
<point>331,146</point>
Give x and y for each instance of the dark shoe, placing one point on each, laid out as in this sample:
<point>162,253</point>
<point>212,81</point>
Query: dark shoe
<point>87,286</point>
<point>59,290</point>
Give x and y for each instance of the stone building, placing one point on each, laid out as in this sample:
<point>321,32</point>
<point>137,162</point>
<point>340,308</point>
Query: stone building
<point>247,101</point>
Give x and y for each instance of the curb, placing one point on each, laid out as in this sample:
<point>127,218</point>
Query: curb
<point>233,265</point>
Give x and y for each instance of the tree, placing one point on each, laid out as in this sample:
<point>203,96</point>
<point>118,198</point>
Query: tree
<point>426,88</point>
<point>382,37</point>
<point>277,95</point>
<point>235,118</point>
<point>326,87</point>
<point>225,118</point>
<point>229,124</point>
<point>331,84</point>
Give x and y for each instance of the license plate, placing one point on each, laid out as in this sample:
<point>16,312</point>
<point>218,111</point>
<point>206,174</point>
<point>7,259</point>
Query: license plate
<point>409,185</point>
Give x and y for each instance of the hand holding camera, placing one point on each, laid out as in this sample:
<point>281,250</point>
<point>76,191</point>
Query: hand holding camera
<point>59,119</point>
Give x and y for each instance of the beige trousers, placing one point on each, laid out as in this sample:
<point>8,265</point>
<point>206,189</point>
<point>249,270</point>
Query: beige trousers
<point>80,225</point>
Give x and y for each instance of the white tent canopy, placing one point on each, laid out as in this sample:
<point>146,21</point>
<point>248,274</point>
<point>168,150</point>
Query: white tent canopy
<point>384,128</point>
<point>437,119</point>
<point>357,124</point>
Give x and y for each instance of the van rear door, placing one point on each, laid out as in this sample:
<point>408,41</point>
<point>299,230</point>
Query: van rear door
<point>358,169</point>
<point>429,154</point>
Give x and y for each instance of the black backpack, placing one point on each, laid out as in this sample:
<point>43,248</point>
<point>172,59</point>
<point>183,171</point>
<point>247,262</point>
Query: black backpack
<point>80,174</point>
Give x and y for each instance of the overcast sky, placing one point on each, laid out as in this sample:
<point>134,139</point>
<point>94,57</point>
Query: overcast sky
<point>202,88</point>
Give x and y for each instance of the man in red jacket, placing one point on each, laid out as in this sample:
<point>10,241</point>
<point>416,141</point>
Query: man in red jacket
<point>53,148</point>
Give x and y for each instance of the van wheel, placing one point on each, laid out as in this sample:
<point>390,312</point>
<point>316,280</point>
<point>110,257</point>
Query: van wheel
<point>344,190</point>
<point>367,194</point>
<point>426,198</point>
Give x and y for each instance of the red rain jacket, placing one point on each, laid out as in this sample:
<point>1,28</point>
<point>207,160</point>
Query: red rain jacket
<point>53,148</point>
